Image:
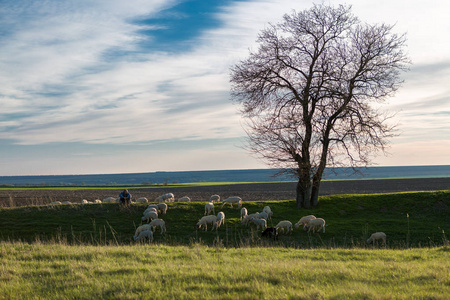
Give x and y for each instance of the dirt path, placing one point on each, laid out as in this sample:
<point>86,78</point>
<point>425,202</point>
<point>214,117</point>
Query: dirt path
<point>249,192</point>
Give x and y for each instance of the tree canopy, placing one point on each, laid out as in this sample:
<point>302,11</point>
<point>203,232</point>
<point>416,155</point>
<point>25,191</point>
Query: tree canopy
<point>310,93</point>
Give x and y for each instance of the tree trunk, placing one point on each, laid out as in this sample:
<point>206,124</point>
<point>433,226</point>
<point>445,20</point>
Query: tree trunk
<point>315,191</point>
<point>317,178</point>
<point>304,193</point>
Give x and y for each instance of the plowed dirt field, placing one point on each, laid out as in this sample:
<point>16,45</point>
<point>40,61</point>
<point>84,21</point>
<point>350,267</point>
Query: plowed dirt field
<point>248,192</point>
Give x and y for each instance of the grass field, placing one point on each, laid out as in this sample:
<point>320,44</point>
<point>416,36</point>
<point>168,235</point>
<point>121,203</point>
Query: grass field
<point>409,220</point>
<point>59,271</point>
<point>87,252</point>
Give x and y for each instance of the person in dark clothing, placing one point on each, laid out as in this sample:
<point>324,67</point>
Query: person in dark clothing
<point>125,198</point>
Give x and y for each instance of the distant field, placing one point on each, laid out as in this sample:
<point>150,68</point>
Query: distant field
<point>264,191</point>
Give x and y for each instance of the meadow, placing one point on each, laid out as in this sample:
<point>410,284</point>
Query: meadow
<point>87,252</point>
<point>61,271</point>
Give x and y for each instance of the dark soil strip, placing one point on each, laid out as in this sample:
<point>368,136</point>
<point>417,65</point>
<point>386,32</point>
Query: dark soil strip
<point>249,192</point>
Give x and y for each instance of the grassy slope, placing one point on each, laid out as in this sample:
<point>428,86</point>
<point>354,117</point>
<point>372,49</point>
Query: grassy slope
<point>350,220</point>
<point>111,269</point>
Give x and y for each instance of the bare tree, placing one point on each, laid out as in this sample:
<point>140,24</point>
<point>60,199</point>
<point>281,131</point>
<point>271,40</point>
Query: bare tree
<point>310,93</point>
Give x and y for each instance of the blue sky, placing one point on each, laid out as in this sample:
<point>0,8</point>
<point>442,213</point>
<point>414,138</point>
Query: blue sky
<point>139,86</point>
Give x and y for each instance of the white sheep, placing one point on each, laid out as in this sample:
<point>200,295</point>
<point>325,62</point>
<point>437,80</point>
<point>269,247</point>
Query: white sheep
<point>108,200</point>
<point>153,205</point>
<point>158,223</point>
<point>269,212</point>
<point>377,236</point>
<point>214,198</point>
<point>169,197</point>
<point>244,213</point>
<point>304,220</point>
<point>151,215</point>
<point>231,200</point>
<point>263,215</point>
<point>184,199</point>
<point>84,201</point>
<point>146,234</point>
<point>247,218</point>
<point>142,200</point>
<point>56,203</point>
<point>149,210</point>
<point>97,201</point>
<point>204,221</point>
<point>142,228</point>
<point>220,219</point>
<point>260,223</point>
<point>209,208</point>
<point>315,225</point>
<point>284,225</point>
<point>162,208</point>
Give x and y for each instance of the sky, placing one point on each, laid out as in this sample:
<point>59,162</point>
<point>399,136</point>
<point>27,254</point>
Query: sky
<point>112,86</point>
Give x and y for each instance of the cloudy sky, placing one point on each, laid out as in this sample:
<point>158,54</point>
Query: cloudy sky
<point>114,86</point>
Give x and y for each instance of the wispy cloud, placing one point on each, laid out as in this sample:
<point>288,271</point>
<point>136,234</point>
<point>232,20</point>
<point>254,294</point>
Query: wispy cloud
<point>150,72</point>
<point>78,92</point>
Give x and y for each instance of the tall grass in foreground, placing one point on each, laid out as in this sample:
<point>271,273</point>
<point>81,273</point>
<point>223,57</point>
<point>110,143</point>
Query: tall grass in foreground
<point>60,271</point>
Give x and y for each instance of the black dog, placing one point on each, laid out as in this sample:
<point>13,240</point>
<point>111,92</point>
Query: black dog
<point>270,232</point>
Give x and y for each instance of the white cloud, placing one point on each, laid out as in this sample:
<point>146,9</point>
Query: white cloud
<point>61,80</point>
<point>145,94</point>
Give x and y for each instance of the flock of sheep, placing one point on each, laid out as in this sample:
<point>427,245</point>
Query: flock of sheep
<point>153,212</point>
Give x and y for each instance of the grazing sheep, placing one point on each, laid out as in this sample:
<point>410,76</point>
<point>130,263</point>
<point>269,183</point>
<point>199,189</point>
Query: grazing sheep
<point>214,198</point>
<point>304,220</point>
<point>142,200</point>
<point>220,219</point>
<point>377,236</point>
<point>204,221</point>
<point>151,215</point>
<point>263,215</point>
<point>158,223</point>
<point>231,200</point>
<point>184,199</point>
<point>247,218</point>
<point>97,201</point>
<point>269,212</point>
<point>162,208</point>
<point>284,225</point>
<point>143,235</point>
<point>149,210</point>
<point>153,205</point>
<point>209,208</point>
<point>84,201</point>
<point>270,232</point>
<point>260,223</point>
<point>142,228</point>
<point>108,200</point>
<point>244,213</point>
<point>169,197</point>
<point>56,203</point>
<point>315,225</point>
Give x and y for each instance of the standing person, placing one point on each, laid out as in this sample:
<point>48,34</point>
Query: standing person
<point>125,198</point>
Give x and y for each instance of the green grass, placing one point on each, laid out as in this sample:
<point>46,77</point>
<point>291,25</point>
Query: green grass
<point>87,252</point>
<point>61,271</point>
<point>115,187</point>
<point>350,220</point>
